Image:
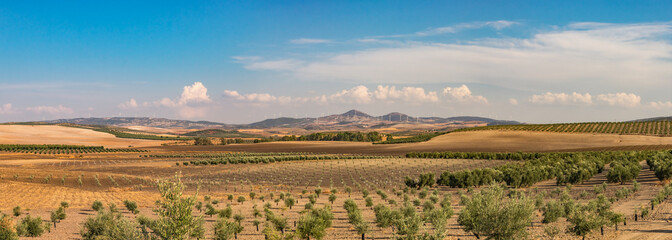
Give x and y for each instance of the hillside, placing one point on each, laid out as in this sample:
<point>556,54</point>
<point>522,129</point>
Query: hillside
<point>654,119</point>
<point>220,133</point>
<point>650,128</point>
<point>352,120</point>
<point>143,121</point>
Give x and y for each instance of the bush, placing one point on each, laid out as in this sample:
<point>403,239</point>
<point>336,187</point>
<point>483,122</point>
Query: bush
<point>31,227</point>
<point>131,206</point>
<point>97,205</point>
<point>552,211</point>
<point>225,230</point>
<point>490,213</point>
<point>426,179</point>
<point>623,171</point>
<point>314,223</point>
<point>58,215</point>
<point>7,229</point>
<point>202,141</point>
<point>176,220</point>
<point>17,211</point>
<point>108,225</point>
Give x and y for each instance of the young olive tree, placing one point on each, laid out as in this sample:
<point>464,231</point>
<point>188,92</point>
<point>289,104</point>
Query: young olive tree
<point>315,223</point>
<point>491,213</point>
<point>176,220</point>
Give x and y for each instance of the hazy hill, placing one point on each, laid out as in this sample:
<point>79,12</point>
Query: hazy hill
<point>653,119</point>
<point>143,121</point>
<point>350,120</point>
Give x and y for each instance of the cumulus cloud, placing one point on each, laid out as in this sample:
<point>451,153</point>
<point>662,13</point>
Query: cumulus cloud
<point>359,94</point>
<point>562,98</point>
<point>407,94</point>
<point>60,109</point>
<point>621,56</point>
<point>129,105</point>
<point>463,94</point>
<point>190,104</point>
<point>620,99</point>
<point>6,108</point>
<point>611,99</point>
<point>661,104</point>
<point>260,97</point>
<point>196,93</point>
<point>309,41</point>
<point>362,95</point>
<point>513,101</point>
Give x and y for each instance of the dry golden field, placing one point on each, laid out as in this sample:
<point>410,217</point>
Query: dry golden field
<point>39,182</point>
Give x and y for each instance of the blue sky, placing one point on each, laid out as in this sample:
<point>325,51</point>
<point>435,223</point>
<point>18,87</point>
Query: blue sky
<point>243,61</point>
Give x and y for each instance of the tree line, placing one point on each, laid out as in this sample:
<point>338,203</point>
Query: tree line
<point>566,168</point>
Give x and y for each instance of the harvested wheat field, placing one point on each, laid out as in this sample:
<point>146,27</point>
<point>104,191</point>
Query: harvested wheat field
<point>51,134</point>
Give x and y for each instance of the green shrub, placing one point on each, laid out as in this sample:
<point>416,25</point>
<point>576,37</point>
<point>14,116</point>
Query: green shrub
<point>314,223</point>
<point>97,205</point>
<point>552,211</point>
<point>490,213</point>
<point>7,229</point>
<point>17,211</point>
<point>225,230</point>
<point>131,206</point>
<point>108,225</point>
<point>31,227</point>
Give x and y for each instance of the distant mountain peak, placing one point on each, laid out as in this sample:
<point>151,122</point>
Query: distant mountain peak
<point>355,113</point>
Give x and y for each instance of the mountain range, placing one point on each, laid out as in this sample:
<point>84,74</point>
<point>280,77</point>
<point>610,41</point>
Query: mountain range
<point>351,119</point>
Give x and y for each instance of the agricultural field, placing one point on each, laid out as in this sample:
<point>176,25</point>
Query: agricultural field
<point>648,128</point>
<point>268,183</point>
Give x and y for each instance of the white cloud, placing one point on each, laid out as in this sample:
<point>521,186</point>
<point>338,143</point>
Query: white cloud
<point>265,98</point>
<point>6,108</point>
<point>661,104</point>
<point>362,95</point>
<point>562,98</point>
<point>190,104</point>
<point>359,94</point>
<point>463,94</point>
<point>497,25</point>
<point>513,101</point>
<point>196,93</point>
<point>436,31</point>
<point>309,41</point>
<point>278,65</point>
<point>246,58</point>
<point>620,99</point>
<point>501,24</point>
<point>620,56</point>
<point>611,99</point>
<point>129,105</point>
<point>406,94</point>
<point>60,109</point>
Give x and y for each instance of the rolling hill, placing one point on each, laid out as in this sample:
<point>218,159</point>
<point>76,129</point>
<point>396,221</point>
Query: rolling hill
<point>352,120</point>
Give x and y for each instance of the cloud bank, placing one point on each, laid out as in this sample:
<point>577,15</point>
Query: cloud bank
<point>363,95</point>
<point>621,56</point>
